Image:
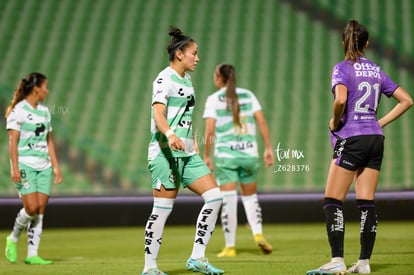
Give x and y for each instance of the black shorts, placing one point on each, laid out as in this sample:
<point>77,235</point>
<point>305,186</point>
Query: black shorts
<point>359,151</point>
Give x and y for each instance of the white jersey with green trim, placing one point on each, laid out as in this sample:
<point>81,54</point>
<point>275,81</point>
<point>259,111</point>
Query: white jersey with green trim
<point>33,125</point>
<point>177,94</point>
<point>232,141</point>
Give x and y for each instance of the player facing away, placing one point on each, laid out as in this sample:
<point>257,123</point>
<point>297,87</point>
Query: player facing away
<point>33,159</point>
<point>358,144</point>
<point>231,114</point>
<point>173,157</point>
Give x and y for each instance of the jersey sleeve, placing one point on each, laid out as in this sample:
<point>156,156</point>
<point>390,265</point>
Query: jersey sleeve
<point>255,104</point>
<point>388,86</point>
<point>338,76</point>
<point>209,110</point>
<point>50,121</point>
<point>160,91</point>
<point>14,121</point>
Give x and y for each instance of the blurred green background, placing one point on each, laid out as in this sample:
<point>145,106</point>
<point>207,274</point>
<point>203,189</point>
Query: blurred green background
<point>101,57</point>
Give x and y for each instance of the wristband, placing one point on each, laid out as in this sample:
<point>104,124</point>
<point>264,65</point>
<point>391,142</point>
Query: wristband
<point>169,133</point>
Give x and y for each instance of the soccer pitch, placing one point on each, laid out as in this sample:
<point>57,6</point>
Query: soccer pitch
<point>297,248</point>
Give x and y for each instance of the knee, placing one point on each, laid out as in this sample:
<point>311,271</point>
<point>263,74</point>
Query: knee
<point>32,210</point>
<point>35,209</point>
<point>213,195</point>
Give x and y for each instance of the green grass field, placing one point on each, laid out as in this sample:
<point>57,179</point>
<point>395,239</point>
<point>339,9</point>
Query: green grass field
<point>297,248</point>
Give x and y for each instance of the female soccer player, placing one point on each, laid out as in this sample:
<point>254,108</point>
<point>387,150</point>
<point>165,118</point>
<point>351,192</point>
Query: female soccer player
<point>32,157</point>
<point>358,143</point>
<point>173,156</point>
<point>231,114</point>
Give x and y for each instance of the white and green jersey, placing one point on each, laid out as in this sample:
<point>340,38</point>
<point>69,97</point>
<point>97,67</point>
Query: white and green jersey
<point>177,93</point>
<point>33,125</point>
<point>232,141</point>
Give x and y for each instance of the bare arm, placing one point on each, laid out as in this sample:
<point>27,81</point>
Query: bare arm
<point>264,130</point>
<point>53,159</point>
<point>160,118</point>
<point>13,141</point>
<point>404,103</point>
<point>338,108</point>
<point>209,140</point>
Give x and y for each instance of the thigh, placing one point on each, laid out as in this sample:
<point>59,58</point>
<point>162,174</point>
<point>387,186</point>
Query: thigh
<point>193,168</point>
<point>165,193</point>
<point>248,188</point>
<point>338,182</point>
<point>35,203</point>
<point>228,186</point>
<point>42,200</point>
<point>366,182</point>
<point>203,184</point>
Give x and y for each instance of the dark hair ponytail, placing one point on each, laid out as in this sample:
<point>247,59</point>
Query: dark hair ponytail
<point>179,41</point>
<point>24,88</point>
<point>355,37</point>
<point>228,73</point>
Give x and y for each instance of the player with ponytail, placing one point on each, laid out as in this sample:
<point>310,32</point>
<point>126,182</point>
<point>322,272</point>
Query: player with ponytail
<point>358,144</point>
<point>33,159</point>
<point>231,114</point>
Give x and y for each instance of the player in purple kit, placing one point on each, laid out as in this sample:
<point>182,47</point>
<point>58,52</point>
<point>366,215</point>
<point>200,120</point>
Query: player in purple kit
<point>358,144</point>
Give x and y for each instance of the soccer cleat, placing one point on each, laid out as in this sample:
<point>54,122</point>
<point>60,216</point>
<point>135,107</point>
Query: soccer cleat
<point>11,250</point>
<point>154,271</point>
<point>263,244</point>
<point>228,251</point>
<point>37,260</point>
<point>321,272</point>
<point>203,266</point>
<point>361,267</point>
<point>335,267</point>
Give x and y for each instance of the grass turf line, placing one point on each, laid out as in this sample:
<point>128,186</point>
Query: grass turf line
<point>297,248</point>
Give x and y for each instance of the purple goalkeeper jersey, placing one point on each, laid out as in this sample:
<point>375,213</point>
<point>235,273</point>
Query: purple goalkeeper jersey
<point>365,83</point>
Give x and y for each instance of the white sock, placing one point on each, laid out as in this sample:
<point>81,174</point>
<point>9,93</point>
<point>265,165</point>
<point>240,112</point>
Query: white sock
<point>229,216</point>
<point>34,233</point>
<point>253,213</point>
<point>206,221</point>
<point>154,228</point>
<point>20,224</point>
